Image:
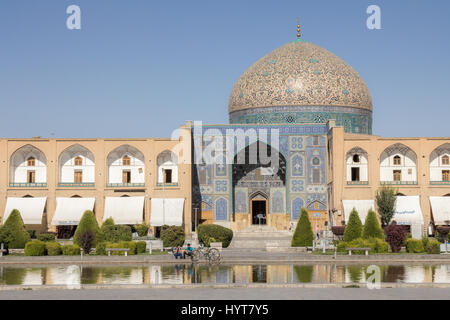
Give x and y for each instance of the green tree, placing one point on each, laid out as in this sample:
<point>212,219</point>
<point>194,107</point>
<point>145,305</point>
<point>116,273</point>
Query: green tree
<point>353,229</point>
<point>13,232</point>
<point>87,229</point>
<point>303,234</point>
<point>372,228</point>
<point>386,198</point>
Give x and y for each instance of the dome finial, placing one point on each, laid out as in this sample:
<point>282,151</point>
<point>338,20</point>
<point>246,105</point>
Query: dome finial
<point>298,28</point>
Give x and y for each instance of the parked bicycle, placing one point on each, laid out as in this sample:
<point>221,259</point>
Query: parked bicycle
<point>210,254</point>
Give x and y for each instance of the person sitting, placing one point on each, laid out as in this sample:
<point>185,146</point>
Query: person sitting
<point>188,251</point>
<point>177,252</point>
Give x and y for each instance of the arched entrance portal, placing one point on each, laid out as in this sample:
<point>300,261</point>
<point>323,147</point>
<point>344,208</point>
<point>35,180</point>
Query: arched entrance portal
<point>259,184</point>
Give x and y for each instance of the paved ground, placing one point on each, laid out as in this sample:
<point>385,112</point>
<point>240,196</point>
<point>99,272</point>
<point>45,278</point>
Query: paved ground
<point>232,294</point>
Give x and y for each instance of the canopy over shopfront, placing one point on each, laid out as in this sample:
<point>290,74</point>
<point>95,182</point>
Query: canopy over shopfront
<point>31,209</point>
<point>167,212</point>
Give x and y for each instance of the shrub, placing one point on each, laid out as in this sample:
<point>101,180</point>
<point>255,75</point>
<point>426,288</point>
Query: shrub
<point>386,199</point>
<point>35,248</point>
<point>381,246</point>
<point>100,248</point>
<point>141,247</point>
<point>88,224</point>
<point>395,235</point>
<point>71,250</point>
<point>45,237</point>
<point>141,229</point>
<point>13,232</point>
<point>32,234</point>
<point>130,245</point>
<point>53,248</point>
<point>110,232</point>
<point>425,241</point>
<point>303,234</point>
<point>353,229</point>
<point>414,246</point>
<point>372,228</point>
<point>123,244</point>
<point>219,233</point>
<point>434,247</point>
<point>376,245</point>
<point>87,240</point>
<point>172,236</point>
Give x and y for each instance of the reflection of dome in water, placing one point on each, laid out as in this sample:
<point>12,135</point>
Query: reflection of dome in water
<point>302,83</point>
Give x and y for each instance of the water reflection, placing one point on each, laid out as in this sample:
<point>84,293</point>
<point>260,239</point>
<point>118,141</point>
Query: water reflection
<point>220,274</point>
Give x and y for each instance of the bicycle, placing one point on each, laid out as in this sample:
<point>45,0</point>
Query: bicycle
<point>211,254</point>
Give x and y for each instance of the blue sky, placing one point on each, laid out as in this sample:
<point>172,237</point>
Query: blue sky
<point>140,68</point>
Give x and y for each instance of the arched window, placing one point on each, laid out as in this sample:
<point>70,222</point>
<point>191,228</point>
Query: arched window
<point>31,162</point>
<point>27,165</point>
<point>445,160</point>
<point>397,161</point>
<point>76,166</point>
<point>357,166</point>
<point>78,161</point>
<point>126,166</point>
<point>126,161</point>
<point>167,163</point>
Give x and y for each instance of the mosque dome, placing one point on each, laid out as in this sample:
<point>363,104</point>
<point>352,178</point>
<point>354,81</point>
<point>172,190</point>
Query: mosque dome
<point>302,83</point>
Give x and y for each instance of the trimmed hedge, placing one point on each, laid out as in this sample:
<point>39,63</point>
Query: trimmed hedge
<point>35,248</point>
<point>434,247</point>
<point>141,229</point>
<point>141,247</point>
<point>45,237</point>
<point>172,236</point>
<point>71,250</point>
<point>414,246</point>
<point>303,235</point>
<point>219,233</point>
<point>110,232</point>
<point>13,232</point>
<point>122,244</point>
<point>376,245</point>
<point>53,248</point>
<point>353,229</point>
<point>100,248</point>
<point>372,228</point>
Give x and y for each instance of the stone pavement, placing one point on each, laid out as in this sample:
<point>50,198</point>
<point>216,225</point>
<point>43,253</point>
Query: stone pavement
<point>232,294</point>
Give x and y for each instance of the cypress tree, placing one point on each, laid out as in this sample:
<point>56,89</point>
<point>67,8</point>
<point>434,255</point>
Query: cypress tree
<point>353,229</point>
<point>303,234</point>
<point>13,232</point>
<point>372,227</point>
<point>88,224</point>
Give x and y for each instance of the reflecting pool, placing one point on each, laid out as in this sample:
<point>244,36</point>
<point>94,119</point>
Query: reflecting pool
<point>222,274</point>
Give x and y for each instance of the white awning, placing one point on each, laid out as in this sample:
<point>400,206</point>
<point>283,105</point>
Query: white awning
<point>31,209</point>
<point>70,210</point>
<point>408,211</point>
<point>124,210</point>
<point>441,209</point>
<point>362,206</point>
<point>167,212</point>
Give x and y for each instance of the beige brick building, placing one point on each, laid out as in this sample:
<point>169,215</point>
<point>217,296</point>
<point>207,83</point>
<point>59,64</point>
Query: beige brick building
<point>145,172</point>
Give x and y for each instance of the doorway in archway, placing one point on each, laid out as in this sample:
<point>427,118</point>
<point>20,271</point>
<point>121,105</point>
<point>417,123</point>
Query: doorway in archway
<point>259,211</point>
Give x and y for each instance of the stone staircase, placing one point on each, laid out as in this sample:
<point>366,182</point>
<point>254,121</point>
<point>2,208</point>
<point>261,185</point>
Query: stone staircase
<point>261,237</point>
